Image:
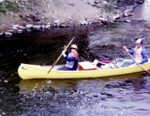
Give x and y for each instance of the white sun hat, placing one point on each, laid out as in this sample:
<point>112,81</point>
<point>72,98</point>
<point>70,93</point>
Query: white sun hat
<point>74,46</point>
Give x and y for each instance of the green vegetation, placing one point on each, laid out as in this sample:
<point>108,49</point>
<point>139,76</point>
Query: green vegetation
<point>109,9</point>
<point>10,6</point>
<point>110,6</point>
<point>3,10</point>
<point>113,1</point>
<point>113,26</point>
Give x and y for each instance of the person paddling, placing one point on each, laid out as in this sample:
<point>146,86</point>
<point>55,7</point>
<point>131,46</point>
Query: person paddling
<point>72,59</point>
<point>139,53</point>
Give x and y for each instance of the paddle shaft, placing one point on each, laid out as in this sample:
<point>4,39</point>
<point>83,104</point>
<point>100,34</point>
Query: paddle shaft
<point>60,56</point>
<point>142,67</point>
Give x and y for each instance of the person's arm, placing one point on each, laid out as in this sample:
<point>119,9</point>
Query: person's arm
<point>70,58</point>
<point>145,56</point>
<point>67,53</point>
<point>130,51</point>
<point>75,57</point>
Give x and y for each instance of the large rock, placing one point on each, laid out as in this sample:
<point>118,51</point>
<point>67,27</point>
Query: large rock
<point>1,33</point>
<point>28,26</point>
<point>15,26</point>
<point>147,24</point>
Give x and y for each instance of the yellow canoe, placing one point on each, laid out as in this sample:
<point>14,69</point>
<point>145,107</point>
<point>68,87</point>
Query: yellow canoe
<point>28,71</point>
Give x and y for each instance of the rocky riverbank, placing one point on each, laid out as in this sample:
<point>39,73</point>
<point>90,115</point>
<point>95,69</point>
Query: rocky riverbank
<point>38,14</point>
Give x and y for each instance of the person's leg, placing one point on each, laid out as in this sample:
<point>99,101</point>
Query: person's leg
<point>64,68</point>
<point>133,64</point>
<point>127,61</point>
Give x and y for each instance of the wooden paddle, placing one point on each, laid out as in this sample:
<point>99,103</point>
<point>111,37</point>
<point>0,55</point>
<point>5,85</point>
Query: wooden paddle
<point>60,56</point>
<point>142,67</point>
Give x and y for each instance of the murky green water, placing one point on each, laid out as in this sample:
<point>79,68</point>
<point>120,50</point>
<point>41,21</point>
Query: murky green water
<point>116,96</point>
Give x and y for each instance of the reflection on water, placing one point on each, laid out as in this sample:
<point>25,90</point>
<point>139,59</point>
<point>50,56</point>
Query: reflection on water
<point>28,86</point>
<point>86,97</point>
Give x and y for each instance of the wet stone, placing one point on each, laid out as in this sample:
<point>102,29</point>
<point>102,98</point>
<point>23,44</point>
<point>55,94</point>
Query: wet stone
<point>29,30</point>
<point>36,19</point>
<point>1,33</point>
<point>48,26</point>
<point>8,34</point>
<point>19,31</point>
<point>22,27</point>
<point>28,26</point>
<point>15,27</point>
<point>147,24</point>
<point>2,89</point>
<point>37,27</point>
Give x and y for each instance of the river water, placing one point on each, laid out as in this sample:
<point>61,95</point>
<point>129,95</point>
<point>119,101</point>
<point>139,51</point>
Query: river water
<point>116,96</point>
<point>143,11</point>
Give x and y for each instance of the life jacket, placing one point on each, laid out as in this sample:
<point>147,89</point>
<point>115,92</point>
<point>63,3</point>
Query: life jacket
<point>73,63</point>
<point>141,53</point>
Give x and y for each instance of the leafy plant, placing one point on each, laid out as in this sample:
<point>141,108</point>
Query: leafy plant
<point>113,1</point>
<point>111,6</point>
<point>2,8</point>
<point>10,6</point>
<point>113,26</point>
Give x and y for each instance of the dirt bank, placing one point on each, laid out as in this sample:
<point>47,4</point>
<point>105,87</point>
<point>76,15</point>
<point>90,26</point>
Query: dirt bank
<point>65,13</point>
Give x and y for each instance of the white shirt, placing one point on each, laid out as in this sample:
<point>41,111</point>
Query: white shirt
<point>138,54</point>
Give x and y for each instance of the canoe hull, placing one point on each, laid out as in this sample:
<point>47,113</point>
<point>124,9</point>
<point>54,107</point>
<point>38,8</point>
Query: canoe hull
<point>27,71</point>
